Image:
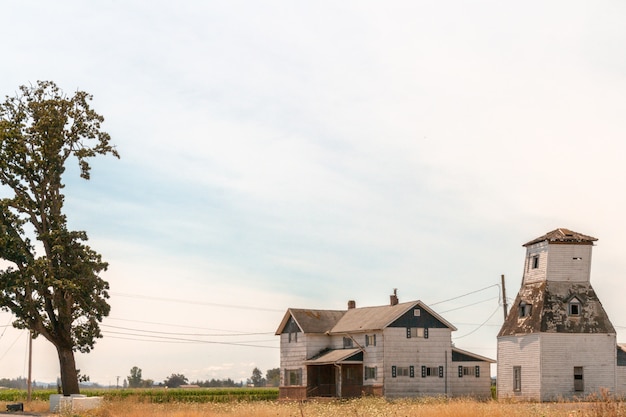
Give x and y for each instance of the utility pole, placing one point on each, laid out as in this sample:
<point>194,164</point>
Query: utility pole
<point>504,304</point>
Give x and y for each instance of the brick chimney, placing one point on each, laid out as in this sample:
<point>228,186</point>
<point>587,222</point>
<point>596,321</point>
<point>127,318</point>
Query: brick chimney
<point>351,304</point>
<point>394,297</point>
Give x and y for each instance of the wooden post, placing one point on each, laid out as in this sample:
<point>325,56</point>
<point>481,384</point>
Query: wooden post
<point>504,304</point>
<point>30,366</point>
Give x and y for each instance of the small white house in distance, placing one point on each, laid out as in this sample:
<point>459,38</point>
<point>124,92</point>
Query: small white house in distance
<point>395,350</point>
<point>557,341</point>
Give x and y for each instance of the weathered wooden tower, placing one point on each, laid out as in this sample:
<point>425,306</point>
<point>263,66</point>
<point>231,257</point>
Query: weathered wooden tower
<point>557,341</point>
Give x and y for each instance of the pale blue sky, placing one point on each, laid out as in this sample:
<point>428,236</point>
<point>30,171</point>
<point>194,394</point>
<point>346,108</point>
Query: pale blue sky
<point>301,154</point>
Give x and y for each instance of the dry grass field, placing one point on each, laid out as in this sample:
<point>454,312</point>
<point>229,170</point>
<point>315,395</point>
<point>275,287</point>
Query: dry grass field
<point>364,407</point>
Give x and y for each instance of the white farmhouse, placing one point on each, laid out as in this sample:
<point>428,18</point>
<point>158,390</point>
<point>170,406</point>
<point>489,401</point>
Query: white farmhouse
<point>557,341</point>
<point>396,350</point>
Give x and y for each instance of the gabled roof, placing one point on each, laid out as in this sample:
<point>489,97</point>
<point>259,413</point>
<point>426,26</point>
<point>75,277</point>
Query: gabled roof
<point>311,321</point>
<point>549,313</point>
<point>563,235</point>
<point>379,317</point>
<point>460,355</point>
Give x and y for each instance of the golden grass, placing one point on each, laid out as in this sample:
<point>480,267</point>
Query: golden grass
<point>363,407</point>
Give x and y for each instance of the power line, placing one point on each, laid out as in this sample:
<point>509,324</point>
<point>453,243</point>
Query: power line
<point>481,325</point>
<point>469,305</point>
<point>465,295</point>
<point>202,303</point>
<point>177,339</point>
<point>187,334</point>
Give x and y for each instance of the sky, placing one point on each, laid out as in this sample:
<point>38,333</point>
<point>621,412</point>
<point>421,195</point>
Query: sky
<point>299,154</point>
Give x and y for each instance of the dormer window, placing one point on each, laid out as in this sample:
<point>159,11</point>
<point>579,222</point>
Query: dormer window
<point>574,307</point>
<point>524,309</point>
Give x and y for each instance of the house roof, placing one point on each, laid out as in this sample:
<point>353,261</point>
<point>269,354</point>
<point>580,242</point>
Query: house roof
<point>377,318</point>
<point>460,355</point>
<point>563,235</point>
<point>311,321</point>
<point>352,320</point>
<point>549,310</point>
<point>337,356</point>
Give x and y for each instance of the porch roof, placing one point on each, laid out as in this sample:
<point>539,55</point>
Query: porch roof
<point>336,356</point>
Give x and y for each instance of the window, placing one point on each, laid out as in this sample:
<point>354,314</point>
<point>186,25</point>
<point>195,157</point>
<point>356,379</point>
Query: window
<point>432,371</point>
<point>293,337</point>
<point>370,373</point>
<point>417,312</point>
<point>535,262</point>
<point>517,378</point>
<point>578,379</point>
<point>402,371</point>
<point>347,342</point>
<point>469,371</point>
<point>416,332</point>
<point>524,309</point>
<point>370,340</point>
<point>574,307</point>
<point>293,376</point>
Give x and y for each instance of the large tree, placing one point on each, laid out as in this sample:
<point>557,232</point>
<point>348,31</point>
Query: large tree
<point>50,278</point>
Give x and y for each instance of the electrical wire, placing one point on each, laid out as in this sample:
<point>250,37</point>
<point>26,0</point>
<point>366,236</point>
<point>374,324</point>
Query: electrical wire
<point>202,303</point>
<point>481,325</point>
<point>186,334</point>
<point>465,295</point>
<point>469,305</point>
<point>177,339</point>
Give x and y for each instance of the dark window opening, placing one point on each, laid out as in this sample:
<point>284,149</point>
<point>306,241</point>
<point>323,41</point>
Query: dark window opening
<point>347,342</point>
<point>574,307</point>
<point>578,379</point>
<point>535,261</point>
<point>524,309</point>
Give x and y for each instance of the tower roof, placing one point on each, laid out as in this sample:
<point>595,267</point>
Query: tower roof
<point>562,235</point>
<point>549,310</point>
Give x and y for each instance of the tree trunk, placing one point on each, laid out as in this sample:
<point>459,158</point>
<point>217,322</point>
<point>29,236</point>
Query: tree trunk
<point>69,375</point>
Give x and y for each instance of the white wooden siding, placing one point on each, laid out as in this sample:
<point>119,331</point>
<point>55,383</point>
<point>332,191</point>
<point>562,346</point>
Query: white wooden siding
<point>620,382</point>
<point>523,351</point>
<point>401,351</point>
<point>562,265</point>
<point>536,274</point>
<point>560,353</point>
<point>470,385</point>
<point>292,355</point>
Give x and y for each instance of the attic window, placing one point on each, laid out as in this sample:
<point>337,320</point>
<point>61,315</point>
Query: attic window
<point>347,342</point>
<point>524,309</point>
<point>574,307</point>
<point>416,312</point>
<point>577,258</point>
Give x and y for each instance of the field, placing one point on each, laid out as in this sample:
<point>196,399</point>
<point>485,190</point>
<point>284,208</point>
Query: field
<point>179,403</point>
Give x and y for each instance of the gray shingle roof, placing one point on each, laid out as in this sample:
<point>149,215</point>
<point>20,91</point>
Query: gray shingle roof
<point>312,321</point>
<point>563,235</point>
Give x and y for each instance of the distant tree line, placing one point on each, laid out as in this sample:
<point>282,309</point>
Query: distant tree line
<point>271,379</point>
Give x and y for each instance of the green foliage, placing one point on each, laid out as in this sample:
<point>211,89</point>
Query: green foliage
<point>273,377</point>
<point>159,395</point>
<point>257,378</point>
<point>57,294</point>
<point>175,381</point>
<point>134,379</point>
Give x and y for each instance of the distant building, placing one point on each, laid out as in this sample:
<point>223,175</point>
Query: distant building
<point>396,350</point>
<point>557,341</point>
